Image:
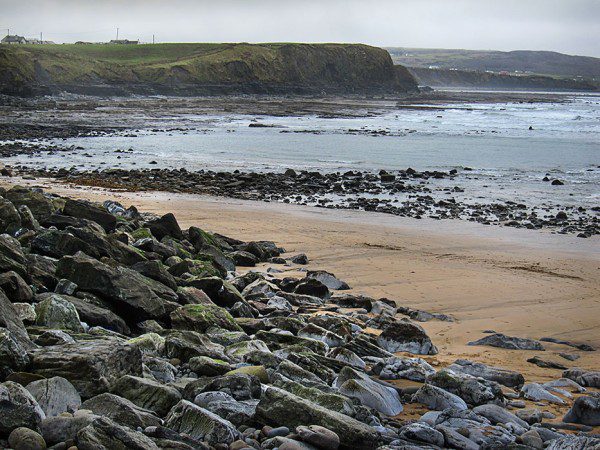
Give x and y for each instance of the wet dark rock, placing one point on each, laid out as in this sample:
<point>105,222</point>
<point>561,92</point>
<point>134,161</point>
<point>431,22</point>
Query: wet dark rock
<point>406,336</point>
<point>55,396</point>
<point>545,363</point>
<point>18,408</point>
<point>589,378</point>
<point>146,394</point>
<point>105,434</point>
<point>328,279</point>
<point>86,210</point>
<point>165,226</point>
<point>505,377</point>
<point>510,342</point>
<point>585,410</point>
<point>121,411</point>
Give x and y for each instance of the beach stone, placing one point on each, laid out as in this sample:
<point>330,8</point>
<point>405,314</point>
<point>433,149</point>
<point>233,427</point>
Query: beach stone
<point>25,439</point>
<point>86,210</point>
<point>328,279</point>
<point>209,367</point>
<point>200,318</point>
<point>240,386</point>
<point>54,337</point>
<point>25,311</point>
<point>156,270</point>
<point>280,304</point>
<point>183,345</point>
<point>531,416</point>
<point>64,427</point>
<point>18,408</point>
<point>588,378</point>
<point>454,439</point>
<point>56,312</point>
<point>129,291</point>
<point>105,434</point>
<point>280,408</point>
<point>505,377</point>
<point>405,336</point>
<point>496,414</point>
<point>575,443</point>
<point>13,356</point>
<point>318,333</point>
<point>438,399</point>
<point>421,432</point>
<point>585,410</point>
<point>532,439</point>
<point>121,411</point>
<point>201,424</point>
<point>10,219</point>
<point>474,391</point>
<point>55,395</point>
<point>415,369</point>
<point>312,287</point>
<point>10,320</point>
<point>510,342</point>
<point>300,258</point>
<point>227,407</point>
<point>374,395</point>
<point>349,357</point>
<point>88,365</point>
<point>40,205</point>
<point>536,392</point>
<point>146,393</point>
<point>564,383</point>
<point>166,225</point>
<point>15,288</point>
<point>319,436</point>
<point>243,259</point>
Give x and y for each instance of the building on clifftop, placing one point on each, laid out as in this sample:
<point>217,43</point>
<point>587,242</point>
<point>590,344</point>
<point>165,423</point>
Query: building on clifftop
<point>13,39</point>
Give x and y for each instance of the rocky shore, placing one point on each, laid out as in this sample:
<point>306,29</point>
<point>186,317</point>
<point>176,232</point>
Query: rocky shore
<point>356,190</point>
<point>118,329</point>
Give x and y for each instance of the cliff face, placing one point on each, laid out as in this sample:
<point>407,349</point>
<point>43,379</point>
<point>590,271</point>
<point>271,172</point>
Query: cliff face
<point>190,69</point>
<point>484,80</point>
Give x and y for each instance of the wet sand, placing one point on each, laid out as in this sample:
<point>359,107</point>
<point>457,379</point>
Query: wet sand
<point>519,282</point>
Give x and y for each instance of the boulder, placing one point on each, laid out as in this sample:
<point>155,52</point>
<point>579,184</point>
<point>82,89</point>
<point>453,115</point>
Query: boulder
<point>18,408</point>
<point>225,406</point>
<point>280,408</point>
<point>15,288</point>
<point>240,386</point>
<point>572,442</point>
<point>498,415</point>
<point>13,355</point>
<point>318,333</point>
<point>313,287</point>
<point>318,436</point>
<point>147,394</point>
<point>105,434</point>
<point>55,395</point>
<point>505,377</point>
<point>374,395</point>
<point>25,439</point>
<point>26,312</point>
<point>200,318</point>
<point>585,410</point>
<point>438,399</point>
<point>86,210</point>
<point>406,336</point>
<point>12,257</point>
<point>204,366</point>
<point>328,279</point>
<point>415,369</point>
<point>10,320</point>
<point>510,342</point>
<point>243,259</point>
<point>474,391</point>
<point>121,411</point>
<point>54,337</point>
<point>588,378</point>
<point>157,271</point>
<point>183,345</point>
<point>90,366</point>
<point>537,392</point>
<point>129,291</point>
<point>40,205</point>
<point>64,427</point>
<point>10,219</point>
<point>422,433</point>
<point>201,424</point>
<point>58,243</point>
<point>54,311</point>
<point>165,226</point>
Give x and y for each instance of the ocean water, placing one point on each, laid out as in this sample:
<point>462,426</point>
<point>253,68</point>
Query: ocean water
<point>509,160</point>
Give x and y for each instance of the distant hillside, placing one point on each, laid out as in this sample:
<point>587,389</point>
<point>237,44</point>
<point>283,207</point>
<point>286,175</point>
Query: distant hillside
<point>440,78</point>
<point>190,69</point>
<point>536,62</point>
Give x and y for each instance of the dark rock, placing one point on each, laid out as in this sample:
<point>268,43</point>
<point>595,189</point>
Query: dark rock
<point>514,343</point>
<point>15,288</point>
<point>18,408</point>
<point>147,394</point>
<point>165,226</point>
<point>105,434</point>
<point>403,335</point>
<point>545,363</point>
<point>121,411</point>
<point>301,259</point>
<point>505,377</point>
<point>328,279</point>
<point>587,378</point>
<point>585,410</point>
<point>200,318</point>
<point>55,396</point>
<point>25,439</point>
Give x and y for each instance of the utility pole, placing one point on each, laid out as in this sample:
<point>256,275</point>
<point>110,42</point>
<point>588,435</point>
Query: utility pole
<point>117,34</point>
<point>153,39</point>
<point>41,37</point>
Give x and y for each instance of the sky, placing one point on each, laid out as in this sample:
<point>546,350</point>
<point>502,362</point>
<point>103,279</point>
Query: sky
<point>567,26</point>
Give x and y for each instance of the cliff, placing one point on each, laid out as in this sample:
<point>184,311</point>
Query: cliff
<point>484,80</point>
<point>197,69</point>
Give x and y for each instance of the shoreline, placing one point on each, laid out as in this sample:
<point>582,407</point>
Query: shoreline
<point>518,282</point>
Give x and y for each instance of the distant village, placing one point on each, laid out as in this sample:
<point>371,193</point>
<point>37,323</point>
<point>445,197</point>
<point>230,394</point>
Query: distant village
<point>15,39</point>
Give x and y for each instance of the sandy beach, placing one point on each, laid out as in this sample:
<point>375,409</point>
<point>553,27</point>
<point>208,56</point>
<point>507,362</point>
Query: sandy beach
<point>519,282</point>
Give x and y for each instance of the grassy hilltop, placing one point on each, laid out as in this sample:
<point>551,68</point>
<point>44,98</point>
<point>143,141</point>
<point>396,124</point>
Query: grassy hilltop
<point>199,68</point>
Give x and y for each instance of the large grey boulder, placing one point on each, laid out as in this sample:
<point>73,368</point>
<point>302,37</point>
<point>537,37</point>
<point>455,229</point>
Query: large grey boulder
<point>239,386</point>
<point>184,345</point>
<point>575,443</point>
<point>65,427</point>
<point>374,395</point>
<point>438,399</point>
<point>421,432</point>
<point>474,391</point>
<point>10,219</point>
<point>537,392</point>
<point>13,356</point>
<point>40,204</point>
<point>121,411</point>
<point>510,342</point>
<point>280,408</point>
<point>105,434</point>
<point>86,210</point>
<point>59,243</point>
<point>133,294</point>
<point>91,366</point>
<point>505,377</point>
<point>585,410</point>
<point>201,424</point>
<point>12,257</point>
<point>200,318</point>
<point>54,311</point>
<point>15,288</point>
<point>328,279</point>
<point>55,395</point>
<point>415,369</point>
<point>18,408</point>
<point>588,378</point>
<point>147,394</point>
<point>406,336</point>
<point>496,414</point>
<point>227,407</point>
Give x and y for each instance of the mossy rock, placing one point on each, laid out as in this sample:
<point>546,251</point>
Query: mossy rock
<point>141,233</point>
<point>334,402</point>
<point>149,343</point>
<point>258,371</point>
<point>200,318</point>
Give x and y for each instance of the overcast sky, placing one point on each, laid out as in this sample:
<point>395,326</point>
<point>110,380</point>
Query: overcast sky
<point>569,26</point>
